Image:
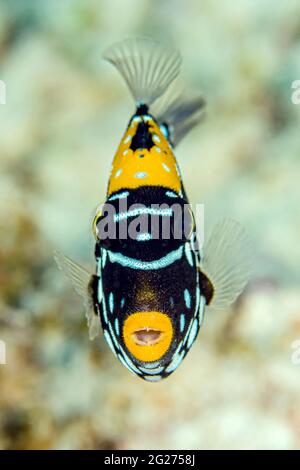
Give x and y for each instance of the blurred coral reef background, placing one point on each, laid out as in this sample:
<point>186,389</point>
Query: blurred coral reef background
<point>65,112</point>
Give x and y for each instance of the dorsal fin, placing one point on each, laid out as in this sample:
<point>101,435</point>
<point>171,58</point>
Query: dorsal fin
<point>179,112</point>
<point>146,66</point>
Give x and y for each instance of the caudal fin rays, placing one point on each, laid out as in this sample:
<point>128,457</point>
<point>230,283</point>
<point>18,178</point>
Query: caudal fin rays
<point>147,67</point>
<point>150,71</point>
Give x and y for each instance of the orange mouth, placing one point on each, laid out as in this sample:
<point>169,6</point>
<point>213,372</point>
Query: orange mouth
<point>148,335</point>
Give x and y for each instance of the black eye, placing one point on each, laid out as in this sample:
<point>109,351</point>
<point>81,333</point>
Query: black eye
<point>96,220</point>
<point>189,222</point>
<point>104,226</point>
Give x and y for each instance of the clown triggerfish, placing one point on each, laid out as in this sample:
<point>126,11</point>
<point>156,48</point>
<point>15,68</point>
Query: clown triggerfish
<point>152,281</point>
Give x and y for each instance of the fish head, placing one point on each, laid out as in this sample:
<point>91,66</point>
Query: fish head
<point>156,308</point>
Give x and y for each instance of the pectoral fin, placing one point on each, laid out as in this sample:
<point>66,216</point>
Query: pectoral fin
<point>226,266</point>
<point>84,284</point>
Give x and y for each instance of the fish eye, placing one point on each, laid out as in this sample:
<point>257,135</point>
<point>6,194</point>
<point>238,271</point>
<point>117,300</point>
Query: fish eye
<point>104,228</point>
<point>99,213</point>
<point>189,224</point>
<point>184,224</point>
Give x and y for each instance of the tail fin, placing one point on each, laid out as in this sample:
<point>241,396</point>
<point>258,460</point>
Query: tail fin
<point>147,67</point>
<point>179,112</point>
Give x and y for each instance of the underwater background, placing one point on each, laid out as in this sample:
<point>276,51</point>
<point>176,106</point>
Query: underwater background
<point>65,112</point>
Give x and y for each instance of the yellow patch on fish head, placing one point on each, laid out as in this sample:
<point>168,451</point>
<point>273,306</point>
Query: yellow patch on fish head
<point>144,167</point>
<point>148,335</point>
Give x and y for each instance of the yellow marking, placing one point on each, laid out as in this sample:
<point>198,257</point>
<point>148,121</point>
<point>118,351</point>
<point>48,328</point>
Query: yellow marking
<point>142,167</point>
<point>95,220</point>
<point>155,321</point>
